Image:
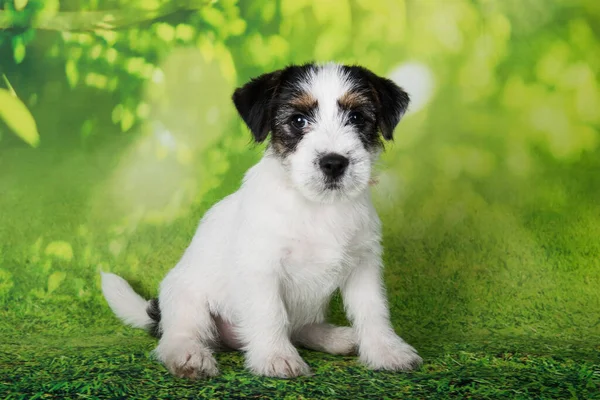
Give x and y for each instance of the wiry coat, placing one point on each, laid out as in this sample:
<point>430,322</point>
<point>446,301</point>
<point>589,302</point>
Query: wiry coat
<point>264,262</point>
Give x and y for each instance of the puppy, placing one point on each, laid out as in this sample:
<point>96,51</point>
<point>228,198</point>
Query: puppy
<point>265,261</point>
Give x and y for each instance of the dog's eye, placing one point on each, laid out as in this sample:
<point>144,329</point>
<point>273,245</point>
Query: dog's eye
<point>356,118</point>
<point>299,121</point>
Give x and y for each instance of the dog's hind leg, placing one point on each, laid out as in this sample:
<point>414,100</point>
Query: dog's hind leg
<point>188,332</point>
<point>327,338</point>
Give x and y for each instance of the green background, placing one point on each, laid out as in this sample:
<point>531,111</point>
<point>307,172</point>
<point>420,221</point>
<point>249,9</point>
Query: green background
<point>489,195</point>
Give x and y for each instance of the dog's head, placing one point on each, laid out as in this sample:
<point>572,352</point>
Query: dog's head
<point>326,122</point>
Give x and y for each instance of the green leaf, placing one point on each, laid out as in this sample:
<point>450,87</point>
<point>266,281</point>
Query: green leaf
<point>18,118</point>
<point>72,73</point>
<point>185,32</point>
<point>18,49</point>
<point>55,280</point>
<point>165,31</point>
<point>60,249</point>
<point>127,120</point>
<point>20,4</point>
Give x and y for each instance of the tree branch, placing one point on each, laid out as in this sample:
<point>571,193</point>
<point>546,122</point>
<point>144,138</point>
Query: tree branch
<point>82,21</point>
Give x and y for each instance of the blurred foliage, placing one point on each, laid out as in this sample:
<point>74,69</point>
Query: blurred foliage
<point>136,131</point>
<point>17,116</point>
<point>492,50</point>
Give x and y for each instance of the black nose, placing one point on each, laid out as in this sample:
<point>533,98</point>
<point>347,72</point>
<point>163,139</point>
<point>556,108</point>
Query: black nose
<point>333,165</point>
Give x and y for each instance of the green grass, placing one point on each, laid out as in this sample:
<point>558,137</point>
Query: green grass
<point>495,284</point>
<point>490,209</point>
<point>489,317</point>
<point>104,364</point>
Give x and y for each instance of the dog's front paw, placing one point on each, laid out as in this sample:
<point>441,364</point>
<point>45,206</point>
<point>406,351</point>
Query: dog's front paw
<point>188,360</point>
<point>279,365</point>
<point>392,354</point>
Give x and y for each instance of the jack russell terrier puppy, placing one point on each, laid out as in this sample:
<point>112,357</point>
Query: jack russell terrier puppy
<point>265,261</point>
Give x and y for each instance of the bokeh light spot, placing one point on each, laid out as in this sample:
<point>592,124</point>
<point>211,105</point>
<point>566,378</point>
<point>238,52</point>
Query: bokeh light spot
<point>418,81</point>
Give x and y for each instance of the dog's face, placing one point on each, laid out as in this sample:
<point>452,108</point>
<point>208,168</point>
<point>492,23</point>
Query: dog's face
<point>326,123</point>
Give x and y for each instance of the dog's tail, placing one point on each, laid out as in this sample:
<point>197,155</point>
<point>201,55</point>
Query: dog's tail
<point>129,306</point>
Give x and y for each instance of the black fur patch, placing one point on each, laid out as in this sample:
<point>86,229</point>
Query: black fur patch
<point>253,103</point>
<point>153,311</point>
<point>391,100</point>
<point>361,99</point>
<point>268,103</point>
<point>264,104</point>
<point>285,138</point>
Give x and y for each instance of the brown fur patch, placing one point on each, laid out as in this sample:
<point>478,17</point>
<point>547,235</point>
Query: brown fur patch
<point>305,102</point>
<point>352,100</point>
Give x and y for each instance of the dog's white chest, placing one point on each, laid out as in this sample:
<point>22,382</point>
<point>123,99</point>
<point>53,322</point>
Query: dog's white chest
<point>308,260</point>
<point>315,261</point>
<point>316,243</point>
<point>310,273</point>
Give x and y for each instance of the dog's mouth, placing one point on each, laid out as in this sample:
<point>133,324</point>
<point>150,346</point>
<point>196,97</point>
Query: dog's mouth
<point>333,186</point>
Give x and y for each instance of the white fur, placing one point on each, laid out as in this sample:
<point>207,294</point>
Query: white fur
<point>267,259</point>
<point>124,302</point>
<point>329,134</point>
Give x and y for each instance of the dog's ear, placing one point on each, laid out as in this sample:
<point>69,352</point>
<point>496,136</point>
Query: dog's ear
<point>253,103</point>
<point>392,103</point>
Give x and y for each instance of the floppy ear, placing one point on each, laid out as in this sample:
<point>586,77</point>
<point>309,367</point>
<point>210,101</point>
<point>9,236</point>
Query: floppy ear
<point>393,102</point>
<point>253,103</point>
